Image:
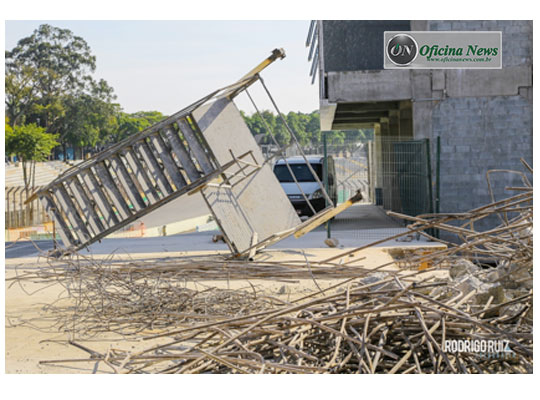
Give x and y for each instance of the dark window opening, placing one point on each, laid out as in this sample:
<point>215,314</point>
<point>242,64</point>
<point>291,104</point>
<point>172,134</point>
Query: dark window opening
<point>300,171</point>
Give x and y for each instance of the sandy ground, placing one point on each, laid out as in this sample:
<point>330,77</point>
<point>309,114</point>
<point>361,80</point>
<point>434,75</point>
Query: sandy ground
<point>26,346</point>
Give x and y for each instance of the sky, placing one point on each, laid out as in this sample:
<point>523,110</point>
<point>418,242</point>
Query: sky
<point>167,65</point>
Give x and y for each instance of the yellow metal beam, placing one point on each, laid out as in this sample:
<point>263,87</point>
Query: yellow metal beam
<point>321,219</point>
<point>276,53</point>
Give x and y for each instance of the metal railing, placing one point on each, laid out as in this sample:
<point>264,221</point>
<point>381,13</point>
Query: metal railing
<point>21,215</point>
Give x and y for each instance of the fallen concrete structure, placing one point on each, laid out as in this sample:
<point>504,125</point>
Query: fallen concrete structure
<point>206,147</point>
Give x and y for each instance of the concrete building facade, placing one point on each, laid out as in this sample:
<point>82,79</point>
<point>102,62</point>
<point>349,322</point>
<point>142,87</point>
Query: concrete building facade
<point>483,117</point>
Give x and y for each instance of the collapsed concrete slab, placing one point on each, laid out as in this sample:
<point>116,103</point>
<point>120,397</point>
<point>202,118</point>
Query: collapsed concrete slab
<point>207,148</point>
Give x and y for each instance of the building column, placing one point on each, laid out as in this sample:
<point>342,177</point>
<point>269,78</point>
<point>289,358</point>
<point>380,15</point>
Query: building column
<point>393,123</point>
<point>405,120</point>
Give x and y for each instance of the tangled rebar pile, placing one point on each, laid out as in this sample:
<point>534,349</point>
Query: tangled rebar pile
<point>509,245</point>
<point>441,312</point>
<point>386,323</point>
<point>129,297</point>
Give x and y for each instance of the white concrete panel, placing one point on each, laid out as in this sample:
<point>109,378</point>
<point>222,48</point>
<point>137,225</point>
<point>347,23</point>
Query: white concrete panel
<point>257,204</point>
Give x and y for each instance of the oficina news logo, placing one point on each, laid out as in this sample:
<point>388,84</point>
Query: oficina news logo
<point>402,49</point>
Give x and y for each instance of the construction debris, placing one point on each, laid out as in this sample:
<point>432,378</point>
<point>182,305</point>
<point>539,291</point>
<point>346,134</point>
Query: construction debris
<point>331,242</point>
<point>464,309</point>
<point>385,322</point>
<point>205,148</point>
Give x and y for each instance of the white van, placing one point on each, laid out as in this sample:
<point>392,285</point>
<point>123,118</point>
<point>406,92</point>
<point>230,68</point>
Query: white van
<point>307,182</point>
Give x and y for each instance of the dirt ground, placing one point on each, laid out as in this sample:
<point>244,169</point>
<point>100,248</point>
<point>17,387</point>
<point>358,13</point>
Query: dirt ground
<point>28,344</point>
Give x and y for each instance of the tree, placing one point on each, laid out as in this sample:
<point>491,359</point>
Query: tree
<point>8,129</point>
<point>91,119</point>
<point>306,128</point>
<point>30,143</point>
<point>49,82</point>
<point>20,93</point>
<point>297,125</point>
<point>281,132</point>
<point>56,62</point>
<point>313,126</point>
<point>129,124</point>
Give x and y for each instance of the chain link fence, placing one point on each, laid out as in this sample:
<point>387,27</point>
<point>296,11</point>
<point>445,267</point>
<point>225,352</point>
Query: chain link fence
<point>351,161</point>
<point>392,173</point>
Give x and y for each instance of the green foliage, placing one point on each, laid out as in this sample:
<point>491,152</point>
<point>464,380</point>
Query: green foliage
<point>20,93</point>
<point>29,142</point>
<point>61,61</point>
<point>8,130</point>
<point>50,88</point>
<point>91,118</point>
<point>128,124</point>
<point>306,128</point>
<point>49,83</point>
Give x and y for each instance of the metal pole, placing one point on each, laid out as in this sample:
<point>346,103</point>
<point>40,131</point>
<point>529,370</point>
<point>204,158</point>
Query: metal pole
<point>429,177</point>
<point>55,245</point>
<point>438,183</point>
<point>325,179</point>
<point>428,164</point>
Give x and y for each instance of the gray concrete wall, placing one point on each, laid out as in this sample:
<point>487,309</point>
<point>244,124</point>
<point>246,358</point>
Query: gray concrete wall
<point>478,134</point>
<point>344,52</point>
<point>517,37</point>
<point>492,130</point>
<point>484,117</point>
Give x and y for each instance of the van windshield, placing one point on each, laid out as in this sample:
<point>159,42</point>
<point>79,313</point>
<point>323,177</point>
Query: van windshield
<point>300,171</point>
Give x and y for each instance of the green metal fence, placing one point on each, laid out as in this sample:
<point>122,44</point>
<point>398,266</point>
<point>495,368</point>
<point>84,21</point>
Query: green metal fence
<point>392,173</point>
<point>402,175</point>
<point>413,177</point>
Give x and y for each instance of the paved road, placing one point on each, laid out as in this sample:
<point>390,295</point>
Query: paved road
<point>360,224</point>
<point>183,208</point>
<point>27,248</point>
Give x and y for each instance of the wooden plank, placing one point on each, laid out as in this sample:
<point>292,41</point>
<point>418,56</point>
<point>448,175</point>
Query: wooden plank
<point>195,146</point>
<point>141,175</point>
<point>153,167</point>
<point>72,214</point>
<point>170,166</point>
<point>85,205</point>
<point>62,228</point>
<point>130,188</point>
<point>182,154</point>
<point>114,194</point>
<point>109,217</point>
